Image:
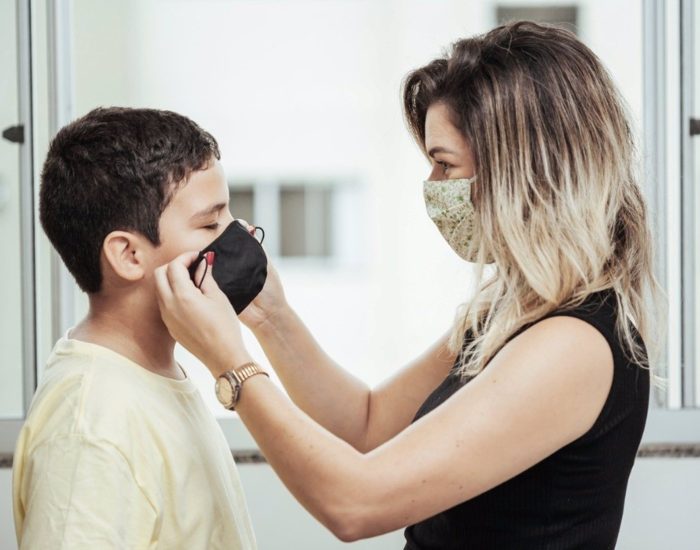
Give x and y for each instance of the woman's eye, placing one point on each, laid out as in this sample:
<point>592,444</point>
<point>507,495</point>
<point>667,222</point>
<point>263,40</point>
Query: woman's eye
<point>442,164</point>
<point>212,226</point>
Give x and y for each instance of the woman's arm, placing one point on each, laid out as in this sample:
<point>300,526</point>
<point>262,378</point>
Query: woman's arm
<point>543,390</point>
<point>336,399</point>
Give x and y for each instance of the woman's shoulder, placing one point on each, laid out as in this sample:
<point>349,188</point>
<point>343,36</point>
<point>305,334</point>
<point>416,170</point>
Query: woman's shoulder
<point>601,310</point>
<point>598,309</point>
<point>592,328</point>
<point>588,323</point>
<point>572,336</point>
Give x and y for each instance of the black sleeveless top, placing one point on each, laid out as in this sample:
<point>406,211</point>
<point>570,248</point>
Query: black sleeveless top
<point>572,499</point>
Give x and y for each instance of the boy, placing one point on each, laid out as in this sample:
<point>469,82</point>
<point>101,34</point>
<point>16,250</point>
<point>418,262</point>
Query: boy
<point>118,449</point>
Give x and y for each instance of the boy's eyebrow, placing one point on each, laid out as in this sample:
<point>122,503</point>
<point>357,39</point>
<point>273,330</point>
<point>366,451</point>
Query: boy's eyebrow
<point>209,211</point>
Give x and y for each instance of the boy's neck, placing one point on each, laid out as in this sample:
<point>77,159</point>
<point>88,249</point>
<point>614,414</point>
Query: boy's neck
<point>132,329</point>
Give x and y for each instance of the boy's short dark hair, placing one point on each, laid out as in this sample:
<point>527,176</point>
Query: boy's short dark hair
<point>115,169</point>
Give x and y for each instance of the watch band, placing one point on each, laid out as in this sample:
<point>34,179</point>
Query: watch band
<point>246,370</point>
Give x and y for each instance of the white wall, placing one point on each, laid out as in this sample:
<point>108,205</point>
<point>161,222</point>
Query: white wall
<point>309,88</point>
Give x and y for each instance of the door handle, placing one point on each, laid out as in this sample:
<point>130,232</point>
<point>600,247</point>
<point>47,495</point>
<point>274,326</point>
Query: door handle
<point>694,126</point>
<point>15,134</point>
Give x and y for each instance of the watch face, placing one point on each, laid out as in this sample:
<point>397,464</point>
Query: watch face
<point>224,392</point>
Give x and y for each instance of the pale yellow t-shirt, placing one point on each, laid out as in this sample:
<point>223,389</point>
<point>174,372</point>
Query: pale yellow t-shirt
<point>115,456</point>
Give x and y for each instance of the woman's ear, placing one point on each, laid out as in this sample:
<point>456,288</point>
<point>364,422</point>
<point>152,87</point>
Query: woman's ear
<point>124,255</point>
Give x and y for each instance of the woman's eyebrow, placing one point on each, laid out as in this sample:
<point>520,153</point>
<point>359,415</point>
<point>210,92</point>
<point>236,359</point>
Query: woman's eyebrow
<point>209,211</point>
<point>438,149</point>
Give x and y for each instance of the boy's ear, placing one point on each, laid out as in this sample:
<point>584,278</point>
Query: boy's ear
<point>124,254</point>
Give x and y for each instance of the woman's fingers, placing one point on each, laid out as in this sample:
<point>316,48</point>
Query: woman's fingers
<point>173,279</point>
<point>250,228</point>
<point>185,259</point>
<point>197,318</point>
<point>163,275</point>
<point>178,274</point>
<point>200,271</point>
<point>209,287</point>
<point>163,291</point>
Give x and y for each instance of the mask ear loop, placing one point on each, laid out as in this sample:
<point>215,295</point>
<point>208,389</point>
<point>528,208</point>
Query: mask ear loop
<point>206,269</point>
<point>258,228</point>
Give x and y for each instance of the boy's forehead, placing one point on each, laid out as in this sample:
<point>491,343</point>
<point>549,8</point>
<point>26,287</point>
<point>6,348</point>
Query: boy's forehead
<point>202,189</point>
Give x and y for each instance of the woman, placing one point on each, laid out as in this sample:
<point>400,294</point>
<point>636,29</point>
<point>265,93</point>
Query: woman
<point>519,429</point>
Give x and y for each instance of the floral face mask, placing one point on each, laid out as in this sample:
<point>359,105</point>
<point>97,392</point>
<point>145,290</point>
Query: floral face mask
<point>449,205</point>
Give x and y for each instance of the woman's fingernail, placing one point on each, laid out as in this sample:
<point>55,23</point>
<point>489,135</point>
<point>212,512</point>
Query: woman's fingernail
<point>210,257</point>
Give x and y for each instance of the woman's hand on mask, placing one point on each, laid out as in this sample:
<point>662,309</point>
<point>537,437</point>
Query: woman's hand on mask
<point>202,320</point>
<point>267,303</point>
<point>271,298</point>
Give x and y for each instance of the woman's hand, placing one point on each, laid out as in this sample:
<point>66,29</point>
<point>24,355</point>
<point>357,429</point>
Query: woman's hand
<point>202,319</point>
<point>271,299</point>
<point>267,304</point>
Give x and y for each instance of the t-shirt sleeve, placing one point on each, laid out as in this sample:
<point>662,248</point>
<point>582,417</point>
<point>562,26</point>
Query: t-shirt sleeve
<point>78,493</point>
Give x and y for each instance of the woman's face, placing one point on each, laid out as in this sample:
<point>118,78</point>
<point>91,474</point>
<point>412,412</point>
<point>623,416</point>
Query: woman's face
<point>450,154</point>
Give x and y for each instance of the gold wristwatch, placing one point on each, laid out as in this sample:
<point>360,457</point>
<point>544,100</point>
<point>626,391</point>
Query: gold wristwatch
<point>228,385</point>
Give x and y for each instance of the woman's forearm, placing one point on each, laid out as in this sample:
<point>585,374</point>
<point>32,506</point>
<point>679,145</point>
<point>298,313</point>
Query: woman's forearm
<point>318,385</point>
<point>323,472</point>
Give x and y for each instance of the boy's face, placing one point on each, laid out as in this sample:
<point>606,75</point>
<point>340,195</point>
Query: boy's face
<point>196,215</point>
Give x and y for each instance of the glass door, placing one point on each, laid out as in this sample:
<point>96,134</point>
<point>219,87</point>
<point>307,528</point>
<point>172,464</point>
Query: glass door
<point>691,176</point>
<point>16,213</point>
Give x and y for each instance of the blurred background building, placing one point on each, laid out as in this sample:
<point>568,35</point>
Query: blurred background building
<point>304,99</point>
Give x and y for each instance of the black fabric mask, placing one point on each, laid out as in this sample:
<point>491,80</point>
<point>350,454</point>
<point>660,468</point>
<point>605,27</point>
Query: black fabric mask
<point>240,265</point>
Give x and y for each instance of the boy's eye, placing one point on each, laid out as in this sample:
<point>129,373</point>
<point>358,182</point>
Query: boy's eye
<point>212,226</point>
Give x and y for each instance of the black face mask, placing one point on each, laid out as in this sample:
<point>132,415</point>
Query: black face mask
<point>240,265</point>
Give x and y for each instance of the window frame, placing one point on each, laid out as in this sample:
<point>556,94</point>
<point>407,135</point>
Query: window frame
<point>27,207</point>
<point>9,427</point>
<point>669,187</point>
<point>669,183</point>
<point>344,191</point>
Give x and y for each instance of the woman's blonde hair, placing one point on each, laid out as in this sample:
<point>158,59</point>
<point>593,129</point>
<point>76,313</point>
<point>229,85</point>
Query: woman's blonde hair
<point>559,207</point>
